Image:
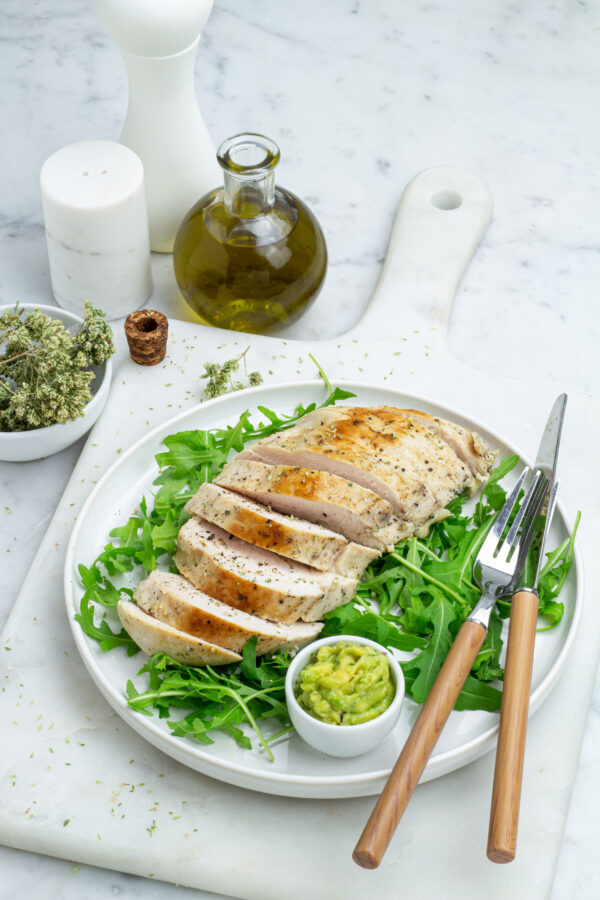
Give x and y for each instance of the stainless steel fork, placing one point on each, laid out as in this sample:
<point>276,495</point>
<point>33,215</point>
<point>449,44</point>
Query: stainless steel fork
<point>496,568</point>
<point>499,562</point>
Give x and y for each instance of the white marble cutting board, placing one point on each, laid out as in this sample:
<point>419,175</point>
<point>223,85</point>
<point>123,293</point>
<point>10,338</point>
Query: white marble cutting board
<point>76,782</point>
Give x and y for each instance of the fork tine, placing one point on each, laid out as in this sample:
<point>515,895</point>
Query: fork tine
<point>528,529</point>
<point>538,485</point>
<point>530,505</point>
<point>509,505</point>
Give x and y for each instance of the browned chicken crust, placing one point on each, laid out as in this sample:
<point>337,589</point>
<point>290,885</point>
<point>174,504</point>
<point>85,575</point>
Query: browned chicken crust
<point>287,536</point>
<point>173,600</point>
<point>329,500</point>
<point>255,580</point>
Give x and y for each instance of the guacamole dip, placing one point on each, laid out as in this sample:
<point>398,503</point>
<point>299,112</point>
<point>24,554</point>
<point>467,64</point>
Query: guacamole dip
<point>346,684</point>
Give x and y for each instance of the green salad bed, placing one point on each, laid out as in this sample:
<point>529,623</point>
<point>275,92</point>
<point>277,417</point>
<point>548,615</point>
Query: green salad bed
<point>412,599</point>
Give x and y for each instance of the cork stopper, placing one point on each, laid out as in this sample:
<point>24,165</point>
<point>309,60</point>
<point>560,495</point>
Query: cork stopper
<point>146,331</point>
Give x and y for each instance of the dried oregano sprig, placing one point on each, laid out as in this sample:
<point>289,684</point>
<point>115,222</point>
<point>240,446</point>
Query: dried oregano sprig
<point>94,340</point>
<point>44,370</point>
<point>219,376</point>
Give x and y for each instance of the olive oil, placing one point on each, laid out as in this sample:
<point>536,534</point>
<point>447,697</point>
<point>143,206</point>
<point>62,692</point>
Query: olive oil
<point>249,256</point>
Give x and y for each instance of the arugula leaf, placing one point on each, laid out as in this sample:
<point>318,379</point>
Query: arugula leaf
<point>163,535</point>
<point>350,620</point>
<point>440,613</point>
<point>90,576</point>
<point>146,555</point>
<point>553,613</point>
<point>556,569</point>
<point>487,663</point>
<point>188,450</point>
<point>478,695</point>
<point>248,664</point>
<point>128,534</point>
<point>103,633</point>
<point>492,495</point>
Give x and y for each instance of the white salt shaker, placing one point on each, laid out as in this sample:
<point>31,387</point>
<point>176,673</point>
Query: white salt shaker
<point>164,126</point>
<point>97,227</point>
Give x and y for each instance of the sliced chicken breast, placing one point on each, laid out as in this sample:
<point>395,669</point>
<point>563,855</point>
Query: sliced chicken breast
<point>336,503</point>
<point>173,600</point>
<point>287,536</point>
<point>153,636</point>
<point>255,580</point>
<point>468,445</point>
<point>382,449</point>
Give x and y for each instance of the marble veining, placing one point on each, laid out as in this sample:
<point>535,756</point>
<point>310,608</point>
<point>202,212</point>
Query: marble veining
<point>360,96</point>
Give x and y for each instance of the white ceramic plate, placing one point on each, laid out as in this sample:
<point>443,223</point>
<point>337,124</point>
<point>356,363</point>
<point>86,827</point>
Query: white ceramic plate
<point>298,771</point>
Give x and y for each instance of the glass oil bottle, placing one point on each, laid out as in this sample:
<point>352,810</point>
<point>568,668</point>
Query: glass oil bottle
<point>249,256</point>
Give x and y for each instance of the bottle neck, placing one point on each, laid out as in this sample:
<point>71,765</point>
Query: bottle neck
<point>247,196</point>
<point>248,162</point>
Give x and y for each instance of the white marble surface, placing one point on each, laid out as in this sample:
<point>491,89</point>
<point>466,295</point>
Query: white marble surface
<point>360,96</point>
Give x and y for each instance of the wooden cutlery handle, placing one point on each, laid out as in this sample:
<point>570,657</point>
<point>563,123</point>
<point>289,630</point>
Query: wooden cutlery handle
<point>405,775</point>
<point>508,774</point>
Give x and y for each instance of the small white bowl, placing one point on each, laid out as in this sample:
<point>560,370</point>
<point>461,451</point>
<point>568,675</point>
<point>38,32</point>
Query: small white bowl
<point>342,740</point>
<point>23,446</point>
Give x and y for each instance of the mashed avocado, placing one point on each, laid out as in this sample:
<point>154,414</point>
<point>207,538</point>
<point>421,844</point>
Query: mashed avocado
<point>346,684</point>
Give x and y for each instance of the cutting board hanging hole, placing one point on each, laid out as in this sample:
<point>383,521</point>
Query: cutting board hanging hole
<point>446,200</point>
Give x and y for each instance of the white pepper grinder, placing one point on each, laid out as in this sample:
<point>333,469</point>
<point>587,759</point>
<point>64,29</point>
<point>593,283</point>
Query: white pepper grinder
<point>164,126</point>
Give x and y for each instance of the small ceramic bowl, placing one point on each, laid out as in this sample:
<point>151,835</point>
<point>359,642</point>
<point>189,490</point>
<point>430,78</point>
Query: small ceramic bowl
<point>342,740</point>
<point>22,446</point>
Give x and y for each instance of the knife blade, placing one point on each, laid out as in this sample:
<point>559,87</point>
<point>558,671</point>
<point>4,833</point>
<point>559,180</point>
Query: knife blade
<point>508,772</point>
<point>547,460</point>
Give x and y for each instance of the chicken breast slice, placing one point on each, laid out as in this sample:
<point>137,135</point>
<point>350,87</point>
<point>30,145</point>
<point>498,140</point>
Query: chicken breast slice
<point>287,536</point>
<point>337,504</point>
<point>255,580</point>
<point>153,636</point>
<point>469,446</point>
<point>173,600</point>
<point>380,448</point>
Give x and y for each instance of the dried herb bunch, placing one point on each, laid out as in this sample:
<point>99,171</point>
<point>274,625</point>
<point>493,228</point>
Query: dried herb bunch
<point>45,372</point>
